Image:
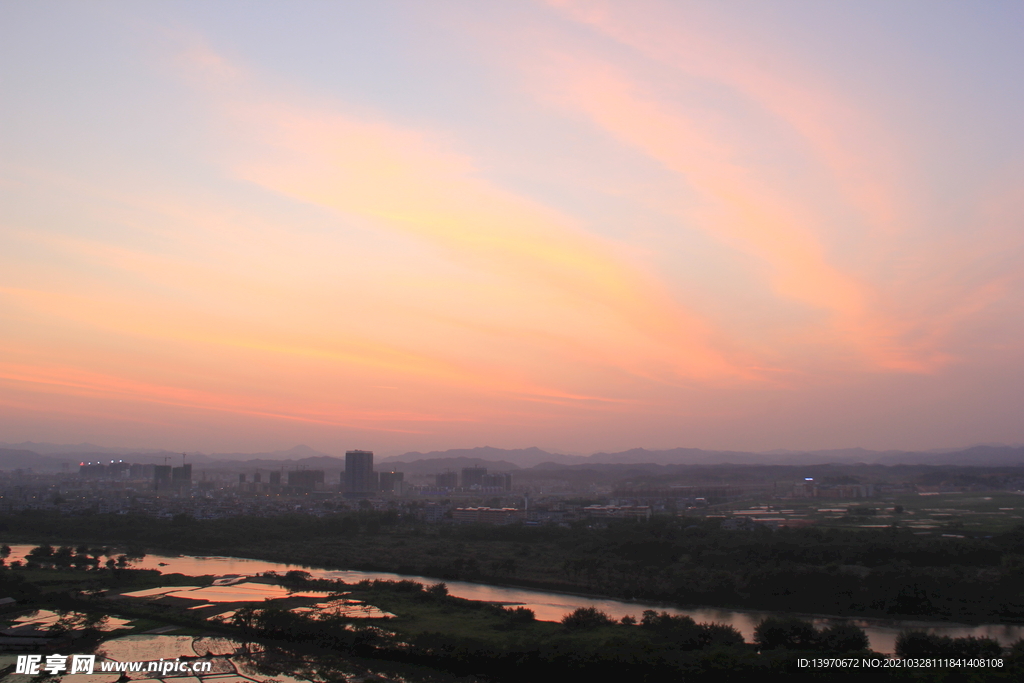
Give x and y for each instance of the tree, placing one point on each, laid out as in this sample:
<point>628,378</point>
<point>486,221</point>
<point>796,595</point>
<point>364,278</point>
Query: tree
<point>76,621</point>
<point>521,615</point>
<point>64,556</point>
<point>182,519</point>
<point>785,632</point>
<point>506,566</point>
<point>244,618</point>
<point>713,635</point>
<point>41,553</point>
<point>921,644</point>
<point>843,637</point>
<point>682,630</point>
<point>586,618</point>
<point>297,577</point>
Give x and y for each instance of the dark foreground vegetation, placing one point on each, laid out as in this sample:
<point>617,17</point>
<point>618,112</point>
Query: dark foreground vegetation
<point>438,637</point>
<point>868,572</point>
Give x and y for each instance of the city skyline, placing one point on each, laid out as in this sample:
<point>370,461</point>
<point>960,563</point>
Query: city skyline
<point>567,224</point>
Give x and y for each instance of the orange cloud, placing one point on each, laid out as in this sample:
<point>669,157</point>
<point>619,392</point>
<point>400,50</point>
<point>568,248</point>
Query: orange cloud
<point>76,381</point>
<point>407,182</point>
<point>739,208</point>
<point>229,348</point>
<point>859,154</point>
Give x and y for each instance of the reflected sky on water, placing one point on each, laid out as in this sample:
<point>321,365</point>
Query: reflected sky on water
<point>551,606</point>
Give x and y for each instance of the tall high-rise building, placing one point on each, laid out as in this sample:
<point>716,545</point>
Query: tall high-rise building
<point>161,477</point>
<point>391,481</point>
<point>447,480</point>
<point>183,473</point>
<point>359,474</point>
<point>473,476</point>
<point>181,477</point>
<point>498,480</point>
<point>306,480</point>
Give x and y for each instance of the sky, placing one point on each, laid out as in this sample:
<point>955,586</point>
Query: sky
<point>580,225</point>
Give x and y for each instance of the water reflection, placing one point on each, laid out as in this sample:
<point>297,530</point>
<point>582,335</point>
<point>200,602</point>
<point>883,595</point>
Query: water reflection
<point>43,619</point>
<point>148,648</point>
<point>230,661</point>
<point>550,606</point>
<point>243,592</point>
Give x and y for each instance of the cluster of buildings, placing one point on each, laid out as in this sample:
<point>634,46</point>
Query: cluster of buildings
<point>476,479</point>
<point>472,495</point>
<point>359,479</point>
<point>163,477</point>
<point>809,488</point>
<point>488,515</point>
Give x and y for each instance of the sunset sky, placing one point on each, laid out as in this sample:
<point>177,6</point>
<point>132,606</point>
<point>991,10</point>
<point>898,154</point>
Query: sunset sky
<point>577,225</point>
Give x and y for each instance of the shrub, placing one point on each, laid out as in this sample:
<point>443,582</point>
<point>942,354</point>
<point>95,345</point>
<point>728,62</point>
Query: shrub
<point>681,629</point>
<point>843,637</point>
<point>586,618</point>
<point>438,590</point>
<point>297,577</point>
<point>720,635</point>
<point>785,632</point>
<point>921,644</point>
<point>521,615</point>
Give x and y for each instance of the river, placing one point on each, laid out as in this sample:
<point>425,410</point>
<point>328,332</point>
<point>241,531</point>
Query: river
<point>552,606</point>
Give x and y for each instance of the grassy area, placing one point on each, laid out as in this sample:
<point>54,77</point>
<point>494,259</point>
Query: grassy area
<point>69,590</point>
<point>55,580</point>
<point>451,616</point>
<point>937,562</point>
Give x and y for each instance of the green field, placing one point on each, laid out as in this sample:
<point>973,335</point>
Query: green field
<point>970,514</point>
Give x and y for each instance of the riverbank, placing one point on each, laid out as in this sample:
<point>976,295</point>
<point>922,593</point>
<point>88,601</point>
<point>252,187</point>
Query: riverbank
<point>430,627</point>
<point>553,606</point>
<point>868,574</point>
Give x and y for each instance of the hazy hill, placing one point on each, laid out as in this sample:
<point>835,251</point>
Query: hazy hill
<point>300,452</point>
<point>75,449</point>
<point>499,459</point>
<point>976,455</point>
<point>436,465</point>
<point>522,457</point>
<point>19,459</point>
<point>678,456</point>
<point>328,463</point>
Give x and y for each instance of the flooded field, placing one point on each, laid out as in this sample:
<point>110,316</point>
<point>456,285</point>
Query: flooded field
<point>551,606</point>
<point>224,660</point>
<point>42,620</point>
<point>242,592</point>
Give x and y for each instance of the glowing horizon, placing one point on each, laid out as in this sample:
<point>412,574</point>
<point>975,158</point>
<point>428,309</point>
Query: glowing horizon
<point>566,224</point>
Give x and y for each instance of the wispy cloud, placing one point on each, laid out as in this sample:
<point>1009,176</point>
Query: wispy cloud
<point>413,182</point>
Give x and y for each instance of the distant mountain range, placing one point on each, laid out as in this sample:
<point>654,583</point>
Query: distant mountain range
<point>74,449</point>
<point>520,457</point>
<point>44,457</point>
<point>532,457</point>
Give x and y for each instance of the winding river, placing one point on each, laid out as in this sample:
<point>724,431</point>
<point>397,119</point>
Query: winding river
<point>551,606</point>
